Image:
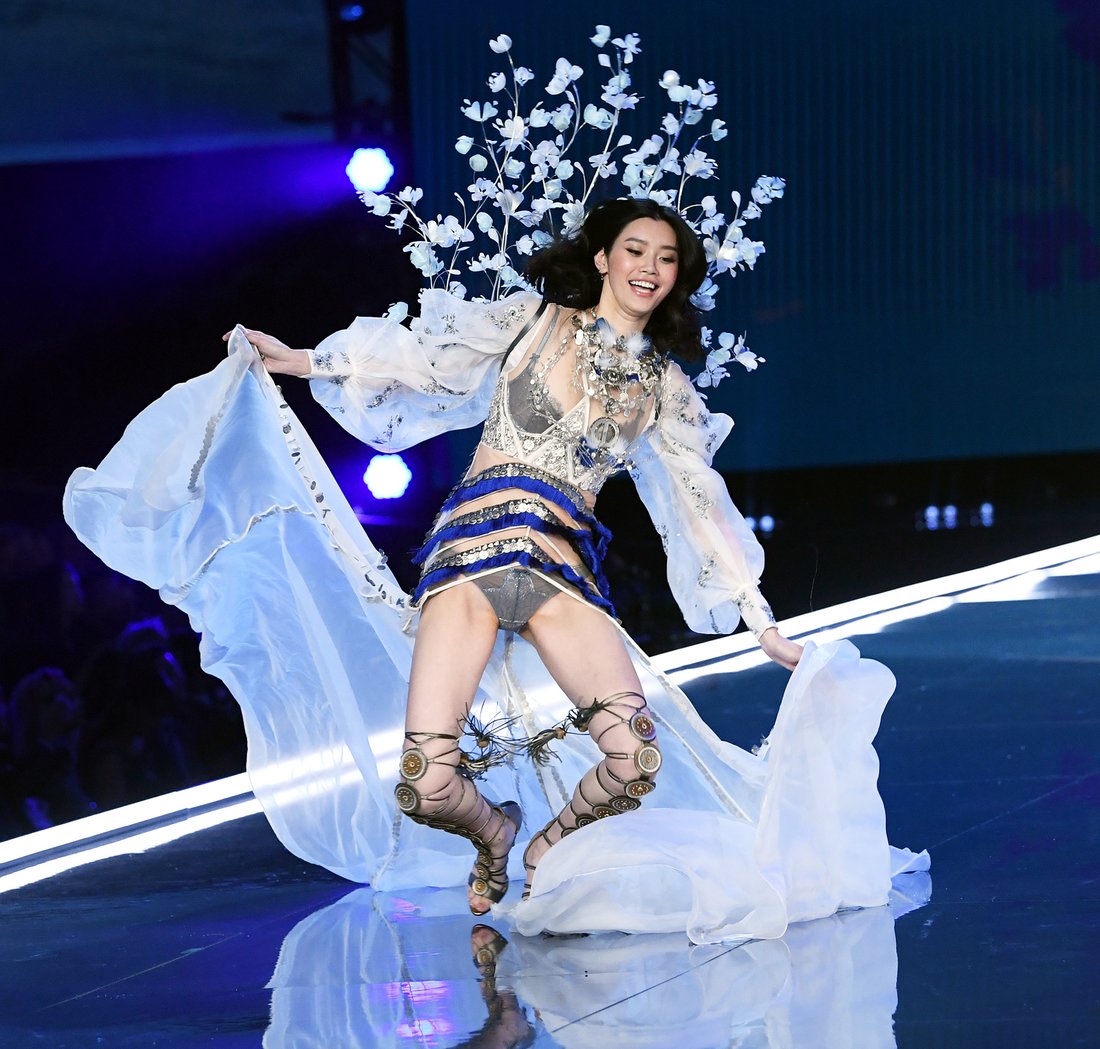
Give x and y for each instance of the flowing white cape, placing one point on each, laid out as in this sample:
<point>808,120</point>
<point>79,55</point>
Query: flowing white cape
<point>216,497</point>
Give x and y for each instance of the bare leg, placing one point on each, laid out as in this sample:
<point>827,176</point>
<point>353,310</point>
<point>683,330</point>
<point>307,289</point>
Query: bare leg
<point>453,644</point>
<point>583,651</point>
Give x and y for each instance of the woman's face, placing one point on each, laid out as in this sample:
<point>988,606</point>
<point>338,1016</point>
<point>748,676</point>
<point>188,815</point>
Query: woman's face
<point>641,269</point>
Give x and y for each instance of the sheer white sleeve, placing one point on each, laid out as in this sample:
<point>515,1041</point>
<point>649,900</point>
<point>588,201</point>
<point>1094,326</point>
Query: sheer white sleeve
<point>393,386</point>
<point>714,560</point>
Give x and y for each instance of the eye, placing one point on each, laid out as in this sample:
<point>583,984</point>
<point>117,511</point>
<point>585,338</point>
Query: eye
<point>633,251</point>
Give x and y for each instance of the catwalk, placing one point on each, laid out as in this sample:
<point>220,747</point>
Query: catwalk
<point>989,754</point>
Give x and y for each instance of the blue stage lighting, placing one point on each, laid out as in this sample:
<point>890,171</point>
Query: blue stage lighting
<point>931,518</point>
<point>751,522</point>
<point>950,516</point>
<point>767,524</point>
<point>351,12</point>
<point>370,169</point>
<point>387,476</point>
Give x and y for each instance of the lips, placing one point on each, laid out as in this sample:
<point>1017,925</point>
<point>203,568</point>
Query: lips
<point>644,287</point>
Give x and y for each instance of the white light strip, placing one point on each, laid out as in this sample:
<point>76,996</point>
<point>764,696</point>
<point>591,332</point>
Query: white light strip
<point>138,842</point>
<point>725,647</point>
<point>102,823</point>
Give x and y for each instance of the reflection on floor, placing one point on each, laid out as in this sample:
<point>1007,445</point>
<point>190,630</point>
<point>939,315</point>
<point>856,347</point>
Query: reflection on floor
<point>990,757</point>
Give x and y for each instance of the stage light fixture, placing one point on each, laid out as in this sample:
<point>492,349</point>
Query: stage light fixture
<point>351,12</point>
<point>751,522</point>
<point>387,476</point>
<point>370,168</point>
<point>767,524</point>
<point>950,516</point>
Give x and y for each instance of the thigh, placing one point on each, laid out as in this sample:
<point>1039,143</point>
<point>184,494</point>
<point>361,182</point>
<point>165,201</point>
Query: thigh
<point>454,641</point>
<point>582,649</point>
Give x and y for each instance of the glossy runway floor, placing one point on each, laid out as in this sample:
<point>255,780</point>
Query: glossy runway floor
<point>990,755</point>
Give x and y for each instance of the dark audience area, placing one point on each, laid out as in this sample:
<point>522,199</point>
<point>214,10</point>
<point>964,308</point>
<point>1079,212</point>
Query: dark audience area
<point>103,699</point>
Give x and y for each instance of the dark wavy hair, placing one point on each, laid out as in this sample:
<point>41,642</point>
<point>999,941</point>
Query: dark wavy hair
<point>565,273</point>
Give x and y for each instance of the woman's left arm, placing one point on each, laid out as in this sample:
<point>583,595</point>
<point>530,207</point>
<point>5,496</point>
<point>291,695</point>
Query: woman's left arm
<point>714,559</point>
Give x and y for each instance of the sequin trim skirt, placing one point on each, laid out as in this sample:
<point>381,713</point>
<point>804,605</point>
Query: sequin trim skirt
<point>442,563</point>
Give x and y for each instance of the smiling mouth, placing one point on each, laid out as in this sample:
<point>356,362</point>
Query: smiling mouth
<point>646,286</point>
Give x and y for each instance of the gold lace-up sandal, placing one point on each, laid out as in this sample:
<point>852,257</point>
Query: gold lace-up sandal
<point>436,791</point>
<point>624,731</point>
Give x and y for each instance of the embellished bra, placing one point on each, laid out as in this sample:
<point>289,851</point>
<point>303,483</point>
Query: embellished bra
<point>564,446</point>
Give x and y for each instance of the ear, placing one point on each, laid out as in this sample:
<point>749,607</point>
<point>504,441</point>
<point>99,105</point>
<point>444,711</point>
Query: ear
<point>600,260</point>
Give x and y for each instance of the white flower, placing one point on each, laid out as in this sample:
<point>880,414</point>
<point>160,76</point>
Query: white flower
<point>497,82</point>
<point>751,250</point>
<point>501,44</point>
<point>646,149</point>
<point>632,176</point>
<point>736,198</point>
<point>379,203</point>
<point>772,186</point>
<point>564,170</point>
<point>513,168</point>
<point>539,117</point>
<point>479,111</point>
<point>486,262</point>
<point>446,232</point>
<point>397,219</point>
<point>484,221</point>
<point>456,289</point>
<point>397,312</point>
<point>478,162</point>
<point>752,211</point>
<point>596,117</point>
<point>423,258</point>
<point>709,205</point>
<point>564,74</point>
<point>670,79</point>
<point>670,124</point>
<point>481,189</point>
<point>509,277</point>
<point>542,238</point>
<point>760,195</point>
<point>705,335</point>
<point>603,34</point>
<point>546,154</point>
<point>572,217</point>
<point>513,131</point>
<point>603,165</point>
<point>692,115</point>
<point>663,197</point>
<point>562,117</point>
<point>712,223</point>
<point>679,93</point>
<point>629,45</point>
<point>703,299</point>
<point>706,98</point>
<point>718,130</point>
<point>410,195</point>
<point>509,201</point>
<point>698,165</point>
<point>670,162</point>
<point>615,94</point>
<point>464,144</point>
<point>524,75</point>
<point>711,377</point>
<point>525,245</point>
<point>552,189</point>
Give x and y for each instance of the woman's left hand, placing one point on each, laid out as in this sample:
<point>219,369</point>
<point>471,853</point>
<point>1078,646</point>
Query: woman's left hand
<point>778,649</point>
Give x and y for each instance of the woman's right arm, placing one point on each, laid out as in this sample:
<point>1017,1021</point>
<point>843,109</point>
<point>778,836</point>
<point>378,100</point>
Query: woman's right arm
<point>277,357</point>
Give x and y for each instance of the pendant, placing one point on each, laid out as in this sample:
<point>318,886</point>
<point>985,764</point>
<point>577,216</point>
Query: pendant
<point>603,432</point>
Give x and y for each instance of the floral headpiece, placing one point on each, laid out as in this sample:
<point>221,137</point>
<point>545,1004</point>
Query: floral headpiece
<point>525,182</point>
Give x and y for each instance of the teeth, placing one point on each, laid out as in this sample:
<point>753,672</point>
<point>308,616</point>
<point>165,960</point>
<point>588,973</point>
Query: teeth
<point>643,284</point>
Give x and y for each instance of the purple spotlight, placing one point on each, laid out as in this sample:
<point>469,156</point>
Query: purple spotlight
<point>370,169</point>
<point>387,476</point>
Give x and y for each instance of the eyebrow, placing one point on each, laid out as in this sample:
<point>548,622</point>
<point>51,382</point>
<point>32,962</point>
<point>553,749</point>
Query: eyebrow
<point>642,240</point>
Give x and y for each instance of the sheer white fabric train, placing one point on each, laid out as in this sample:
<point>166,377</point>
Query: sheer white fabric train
<point>217,497</point>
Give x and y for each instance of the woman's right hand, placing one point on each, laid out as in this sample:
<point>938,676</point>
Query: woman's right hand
<point>277,357</point>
